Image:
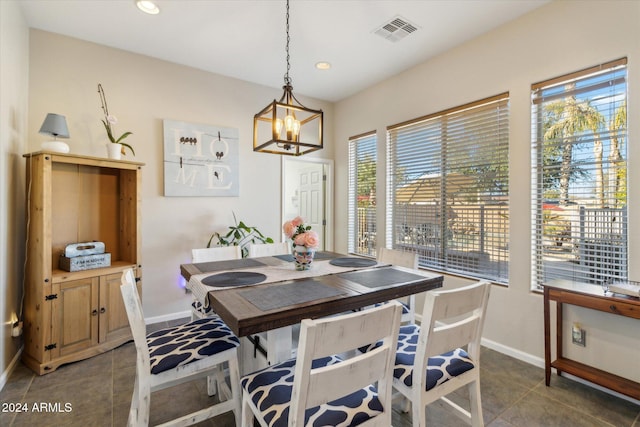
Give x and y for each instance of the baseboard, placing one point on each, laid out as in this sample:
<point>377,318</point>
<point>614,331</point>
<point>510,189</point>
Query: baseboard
<point>7,373</point>
<point>539,362</point>
<point>168,317</point>
<point>512,352</point>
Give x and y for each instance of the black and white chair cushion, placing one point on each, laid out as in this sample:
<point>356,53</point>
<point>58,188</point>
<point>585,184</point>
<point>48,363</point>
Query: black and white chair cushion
<point>270,391</point>
<point>187,343</point>
<point>205,311</point>
<point>439,369</point>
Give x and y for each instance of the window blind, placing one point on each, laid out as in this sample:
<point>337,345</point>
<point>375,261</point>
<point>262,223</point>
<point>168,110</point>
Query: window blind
<point>579,179</point>
<point>362,194</point>
<point>448,189</point>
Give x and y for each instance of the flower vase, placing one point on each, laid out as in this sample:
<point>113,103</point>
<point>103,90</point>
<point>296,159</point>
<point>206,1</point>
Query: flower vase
<point>303,256</point>
<point>114,151</point>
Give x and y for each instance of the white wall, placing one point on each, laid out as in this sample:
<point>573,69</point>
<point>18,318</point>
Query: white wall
<point>141,92</point>
<point>14,69</point>
<point>556,39</point>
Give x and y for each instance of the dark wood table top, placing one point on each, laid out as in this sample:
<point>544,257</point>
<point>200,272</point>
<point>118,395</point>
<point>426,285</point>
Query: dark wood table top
<point>258,308</point>
<point>245,317</point>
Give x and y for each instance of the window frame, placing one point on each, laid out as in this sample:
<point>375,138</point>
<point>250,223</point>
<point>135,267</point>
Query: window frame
<point>594,259</point>
<point>465,127</point>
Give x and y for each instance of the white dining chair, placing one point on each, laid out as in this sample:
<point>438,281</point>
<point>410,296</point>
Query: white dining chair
<point>431,361</point>
<point>321,388</point>
<point>216,253</point>
<point>268,249</point>
<point>402,259</point>
<point>180,354</point>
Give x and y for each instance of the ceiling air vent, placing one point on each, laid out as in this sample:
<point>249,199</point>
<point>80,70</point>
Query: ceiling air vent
<point>396,29</point>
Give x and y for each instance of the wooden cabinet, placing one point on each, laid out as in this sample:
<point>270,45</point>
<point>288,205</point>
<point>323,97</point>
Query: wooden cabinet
<point>69,316</point>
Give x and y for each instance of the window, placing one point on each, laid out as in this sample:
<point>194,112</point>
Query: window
<point>579,198</point>
<point>362,194</point>
<point>448,189</point>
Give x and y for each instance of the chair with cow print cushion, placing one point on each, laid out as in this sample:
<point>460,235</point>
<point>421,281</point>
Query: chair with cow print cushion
<point>430,359</point>
<point>319,388</point>
<point>179,354</point>
<point>216,253</point>
<point>407,260</point>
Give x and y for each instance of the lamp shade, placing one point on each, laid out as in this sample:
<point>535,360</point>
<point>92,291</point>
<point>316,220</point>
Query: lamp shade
<point>55,125</point>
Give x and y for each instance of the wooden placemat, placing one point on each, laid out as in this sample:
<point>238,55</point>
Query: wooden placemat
<point>380,277</point>
<point>233,278</point>
<point>208,267</point>
<point>298,292</point>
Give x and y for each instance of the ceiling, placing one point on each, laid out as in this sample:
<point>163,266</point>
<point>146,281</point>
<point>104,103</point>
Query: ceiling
<point>246,39</point>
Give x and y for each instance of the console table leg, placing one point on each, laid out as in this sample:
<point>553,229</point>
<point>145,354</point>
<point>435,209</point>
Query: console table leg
<point>558,333</point>
<point>547,339</point>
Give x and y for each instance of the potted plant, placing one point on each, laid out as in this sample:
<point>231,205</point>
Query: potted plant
<point>108,123</point>
<point>239,235</point>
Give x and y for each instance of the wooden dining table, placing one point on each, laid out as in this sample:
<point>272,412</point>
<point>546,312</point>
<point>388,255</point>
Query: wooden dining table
<point>335,283</point>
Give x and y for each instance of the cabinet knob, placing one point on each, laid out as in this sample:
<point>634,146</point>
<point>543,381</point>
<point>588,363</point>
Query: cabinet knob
<point>103,310</point>
<point>94,313</point>
<point>613,308</point>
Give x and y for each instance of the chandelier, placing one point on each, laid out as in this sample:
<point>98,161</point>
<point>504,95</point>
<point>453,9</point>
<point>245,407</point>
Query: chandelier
<point>286,126</point>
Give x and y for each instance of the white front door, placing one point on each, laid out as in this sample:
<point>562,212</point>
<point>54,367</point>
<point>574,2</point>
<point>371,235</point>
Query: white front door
<point>311,193</point>
<point>306,191</point>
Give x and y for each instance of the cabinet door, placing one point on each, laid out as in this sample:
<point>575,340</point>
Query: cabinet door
<point>74,316</point>
<point>114,323</point>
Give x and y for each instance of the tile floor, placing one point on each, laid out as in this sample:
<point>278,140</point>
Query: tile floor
<point>97,392</point>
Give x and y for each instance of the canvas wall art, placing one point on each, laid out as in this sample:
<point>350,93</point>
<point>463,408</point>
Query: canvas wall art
<point>200,160</point>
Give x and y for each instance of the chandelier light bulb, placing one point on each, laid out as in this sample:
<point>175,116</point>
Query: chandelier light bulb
<point>277,125</point>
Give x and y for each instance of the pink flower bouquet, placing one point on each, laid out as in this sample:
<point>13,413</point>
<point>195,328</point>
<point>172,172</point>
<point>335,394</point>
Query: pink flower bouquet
<point>305,242</point>
<point>300,234</point>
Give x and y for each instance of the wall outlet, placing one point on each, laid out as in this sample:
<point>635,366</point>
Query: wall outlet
<point>17,329</point>
<point>578,335</point>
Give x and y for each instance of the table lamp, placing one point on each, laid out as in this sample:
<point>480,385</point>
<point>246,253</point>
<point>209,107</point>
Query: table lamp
<point>55,125</point>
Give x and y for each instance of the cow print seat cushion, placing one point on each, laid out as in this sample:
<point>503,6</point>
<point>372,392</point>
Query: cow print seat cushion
<point>198,306</point>
<point>270,390</point>
<point>187,343</point>
<point>439,368</point>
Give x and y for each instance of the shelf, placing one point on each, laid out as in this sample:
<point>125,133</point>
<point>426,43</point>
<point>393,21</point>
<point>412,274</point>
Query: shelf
<point>59,276</point>
<point>598,376</point>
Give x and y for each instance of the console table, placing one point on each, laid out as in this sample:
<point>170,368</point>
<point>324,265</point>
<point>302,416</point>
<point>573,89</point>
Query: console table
<point>593,297</point>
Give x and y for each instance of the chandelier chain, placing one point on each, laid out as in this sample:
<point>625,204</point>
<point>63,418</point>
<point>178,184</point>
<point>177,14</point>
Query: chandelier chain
<point>287,80</point>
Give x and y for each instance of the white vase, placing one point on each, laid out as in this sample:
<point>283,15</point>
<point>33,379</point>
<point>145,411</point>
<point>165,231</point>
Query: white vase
<point>303,257</point>
<point>114,151</point>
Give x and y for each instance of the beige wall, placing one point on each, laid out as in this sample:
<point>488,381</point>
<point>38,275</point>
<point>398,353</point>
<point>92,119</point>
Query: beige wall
<point>558,38</point>
<point>141,92</point>
<point>14,71</point>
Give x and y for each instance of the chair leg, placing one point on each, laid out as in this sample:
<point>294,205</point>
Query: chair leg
<point>406,404</point>
<point>213,380</point>
<point>140,405</point>
<point>419,414</point>
<point>247,413</point>
<point>236,392</point>
<point>476,404</point>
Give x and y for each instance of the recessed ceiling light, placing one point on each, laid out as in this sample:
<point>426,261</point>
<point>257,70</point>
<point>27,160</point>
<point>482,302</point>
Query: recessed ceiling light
<point>147,6</point>
<point>322,65</point>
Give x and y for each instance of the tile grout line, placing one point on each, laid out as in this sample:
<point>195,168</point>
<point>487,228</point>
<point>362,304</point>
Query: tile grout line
<point>577,409</point>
